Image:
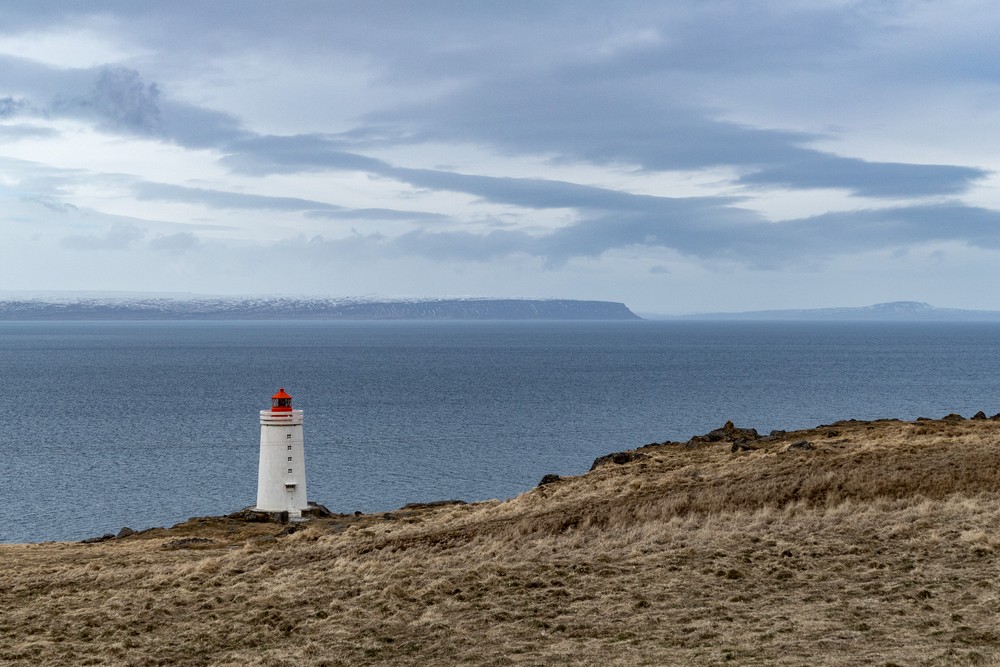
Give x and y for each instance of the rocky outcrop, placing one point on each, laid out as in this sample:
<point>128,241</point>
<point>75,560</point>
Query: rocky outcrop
<point>800,445</point>
<point>317,510</point>
<point>739,439</point>
<point>618,458</point>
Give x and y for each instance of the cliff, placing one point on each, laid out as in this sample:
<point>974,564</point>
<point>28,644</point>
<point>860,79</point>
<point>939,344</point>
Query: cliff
<point>282,308</point>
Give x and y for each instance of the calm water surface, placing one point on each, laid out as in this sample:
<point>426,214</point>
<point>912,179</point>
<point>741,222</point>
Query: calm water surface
<point>141,424</point>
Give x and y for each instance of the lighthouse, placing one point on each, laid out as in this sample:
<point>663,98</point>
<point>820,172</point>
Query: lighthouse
<point>281,476</point>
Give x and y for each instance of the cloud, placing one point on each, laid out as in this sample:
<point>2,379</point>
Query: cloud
<point>268,154</point>
<point>121,96</point>
<point>221,199</point>
<point>609,122</point>
<point>574,112</point>
<point>121,236</point>
<point>195,127</point>
<point>10,106</point>
<point>737,236</point>
<point>15,132</point>
<point>148,191</point>
<point>383,214</point>
<point>54,205</point>
<point>463,246</point>
<point>175,244</point>
<point>294,154</point>
<point>603,122</point>
<point>871,179</point>
<point>117,98</point>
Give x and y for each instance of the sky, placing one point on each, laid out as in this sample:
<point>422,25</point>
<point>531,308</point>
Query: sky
<point>678,156</point>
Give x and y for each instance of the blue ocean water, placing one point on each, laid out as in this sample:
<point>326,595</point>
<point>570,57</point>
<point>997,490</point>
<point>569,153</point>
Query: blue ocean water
<point>143,424</point>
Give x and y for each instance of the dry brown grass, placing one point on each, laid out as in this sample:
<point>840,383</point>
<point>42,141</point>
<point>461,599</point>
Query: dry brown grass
<point>879,547</point>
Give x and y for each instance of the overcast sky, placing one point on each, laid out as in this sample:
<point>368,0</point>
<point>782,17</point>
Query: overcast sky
<point>678,156</point>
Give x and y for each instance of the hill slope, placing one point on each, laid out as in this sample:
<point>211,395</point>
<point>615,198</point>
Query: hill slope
<point>854,543</point>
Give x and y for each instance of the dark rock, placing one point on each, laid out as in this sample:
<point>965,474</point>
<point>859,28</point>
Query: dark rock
<point>924,419</point>
<point>618,458</point>
<point>777,433</point>
<point>250,516</point>
<point>730,433</point>
<point>433,503</point>
<point>665,443</point>
<point>953,417</point>
<point>317,510</point>
<point>358,513</point>
<point>803,445</point>
<point>995,418</point>
<point>94,540</point>
<point>124,532</point>
<point>742,446</point>
<point>979,415</point>
<point>549,479</point>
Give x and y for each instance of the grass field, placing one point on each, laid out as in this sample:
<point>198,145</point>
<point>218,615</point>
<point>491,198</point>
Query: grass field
<point>871,544</point>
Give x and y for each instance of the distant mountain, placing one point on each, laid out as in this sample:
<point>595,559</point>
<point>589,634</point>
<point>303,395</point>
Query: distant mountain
<point>288,308</point>
<point>895,311</point>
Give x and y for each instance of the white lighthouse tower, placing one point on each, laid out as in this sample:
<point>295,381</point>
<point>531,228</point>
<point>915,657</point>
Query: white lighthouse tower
<point>281,477</point>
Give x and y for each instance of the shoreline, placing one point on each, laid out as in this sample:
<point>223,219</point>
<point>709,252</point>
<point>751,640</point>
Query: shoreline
<point>740,439</point>
<point>853,542</point>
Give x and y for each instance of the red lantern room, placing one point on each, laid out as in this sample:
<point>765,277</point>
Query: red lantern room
<point>281,402</point>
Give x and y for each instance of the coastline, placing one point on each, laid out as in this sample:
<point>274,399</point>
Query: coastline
<point>850,542</point>
<point>739,439</point>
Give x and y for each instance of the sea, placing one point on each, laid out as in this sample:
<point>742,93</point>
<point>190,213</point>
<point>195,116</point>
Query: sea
<point>144,424</point>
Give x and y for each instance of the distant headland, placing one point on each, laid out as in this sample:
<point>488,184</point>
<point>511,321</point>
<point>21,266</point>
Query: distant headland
<point>894,311</point>
<point>53,308</point>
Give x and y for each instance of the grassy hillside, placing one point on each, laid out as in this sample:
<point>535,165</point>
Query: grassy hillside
<point>870,543</point>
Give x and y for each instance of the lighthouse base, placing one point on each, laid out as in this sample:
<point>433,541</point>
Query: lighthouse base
<point>255,515</point>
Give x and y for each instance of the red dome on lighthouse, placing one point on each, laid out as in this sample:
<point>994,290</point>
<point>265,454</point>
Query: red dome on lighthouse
<point>281,402</point>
